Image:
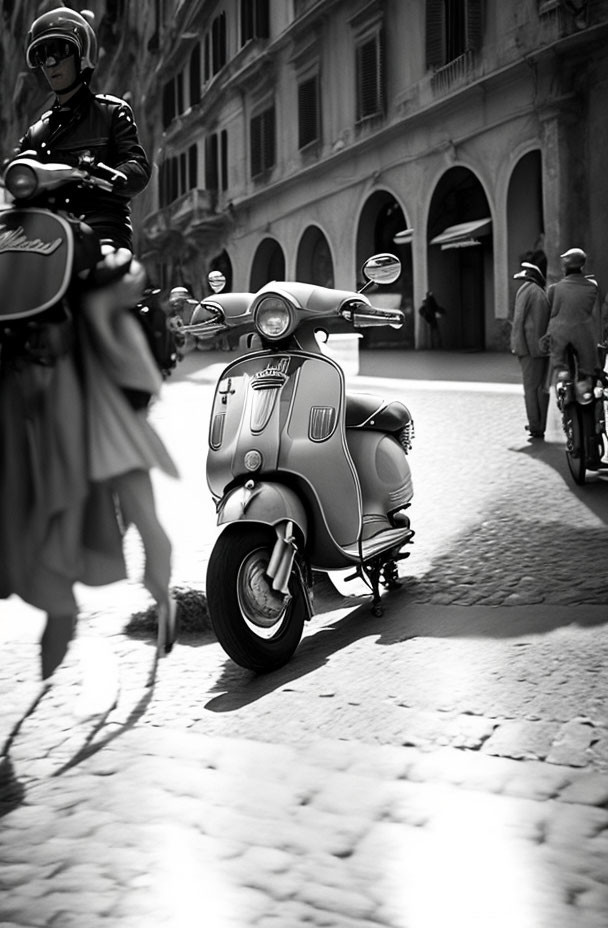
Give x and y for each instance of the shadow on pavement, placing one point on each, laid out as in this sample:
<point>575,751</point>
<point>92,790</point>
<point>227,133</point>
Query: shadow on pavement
<point>593,493</point>
<point>403,619</point>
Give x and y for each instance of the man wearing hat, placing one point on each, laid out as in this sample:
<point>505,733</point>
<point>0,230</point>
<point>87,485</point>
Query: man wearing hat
<point>530,318</point>
<point>575,314</point>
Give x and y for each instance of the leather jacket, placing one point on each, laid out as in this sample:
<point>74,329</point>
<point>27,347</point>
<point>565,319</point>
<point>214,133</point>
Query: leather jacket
<point>104,127</point>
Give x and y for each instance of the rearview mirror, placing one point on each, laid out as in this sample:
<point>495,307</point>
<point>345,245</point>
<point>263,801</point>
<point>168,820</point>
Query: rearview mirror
<point>216,281</point>
<point>382,269</point>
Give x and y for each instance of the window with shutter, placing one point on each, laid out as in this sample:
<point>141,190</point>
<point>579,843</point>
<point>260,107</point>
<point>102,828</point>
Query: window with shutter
<point>255,20</point>
<point>195,75</point>
<point>207,57</point>
<point>453,27</point>
<point>308,111</point>
<point>174,180</point>
<point>224,159</point>
<point>168,104</point>
<point>193,166</point>
<point>262,141</point>
<point>218,43</point>
<point>370,77</point>
<point>211,163</point>
<point>179,92</point>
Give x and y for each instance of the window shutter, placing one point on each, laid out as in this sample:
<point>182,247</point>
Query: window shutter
<point>224,159</point>
<point>195,75</point>
<point>174,192</point>
<point>262,19</point>
<point>434,34</point>
<point>179,90</point>
<point>246,21</point>
<point>193,166</point>
<point>256,145</point>
<point>369,78</point>
<point>474,24</point>
<point>269,139</point>
<point>308,112</point>
<point>211,163</point>
<point>168,104</point>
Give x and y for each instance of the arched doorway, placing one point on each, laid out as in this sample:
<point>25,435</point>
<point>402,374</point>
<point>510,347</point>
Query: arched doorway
<point>314,263</point>
<point>223,263</point>
<point>268,264</point>
<point>460,268</point>
<point>381,221</point>
<point>525,218</point>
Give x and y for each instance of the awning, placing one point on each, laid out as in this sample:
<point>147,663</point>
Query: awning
<point>463,235</point>
<point>404,237</point>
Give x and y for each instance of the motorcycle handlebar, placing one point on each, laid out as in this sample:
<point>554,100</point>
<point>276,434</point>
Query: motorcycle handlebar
<point>26,176</point>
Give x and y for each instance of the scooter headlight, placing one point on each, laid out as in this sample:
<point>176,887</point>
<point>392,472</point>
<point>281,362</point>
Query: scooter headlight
<point>274,317</point>
<point>20,180</point>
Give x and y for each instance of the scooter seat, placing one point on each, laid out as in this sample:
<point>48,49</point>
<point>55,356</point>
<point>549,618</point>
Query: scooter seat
<point>365,411</point>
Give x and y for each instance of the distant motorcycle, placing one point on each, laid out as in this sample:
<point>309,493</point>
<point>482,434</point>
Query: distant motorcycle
<point>304,477</point>
<point>580,399</point>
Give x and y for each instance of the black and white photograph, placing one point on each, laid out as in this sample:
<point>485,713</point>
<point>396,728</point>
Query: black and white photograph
<point>303,464</point>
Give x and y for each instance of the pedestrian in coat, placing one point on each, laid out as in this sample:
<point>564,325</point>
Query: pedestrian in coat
<point>530,318</point>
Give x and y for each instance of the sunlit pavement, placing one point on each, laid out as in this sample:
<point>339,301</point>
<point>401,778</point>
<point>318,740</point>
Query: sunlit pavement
<point>326,795</point>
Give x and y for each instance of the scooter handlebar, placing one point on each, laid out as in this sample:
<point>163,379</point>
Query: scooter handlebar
<point>363,315</point>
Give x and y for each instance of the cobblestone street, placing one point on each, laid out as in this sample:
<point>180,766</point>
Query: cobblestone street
<point>444,764</point>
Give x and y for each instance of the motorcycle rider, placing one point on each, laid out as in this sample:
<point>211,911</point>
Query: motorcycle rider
<point>71,441</point>
<point>575,315</point>
<point>63,45</point>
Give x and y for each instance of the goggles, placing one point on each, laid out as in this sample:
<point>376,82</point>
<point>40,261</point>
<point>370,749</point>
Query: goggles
<point>52,52</point>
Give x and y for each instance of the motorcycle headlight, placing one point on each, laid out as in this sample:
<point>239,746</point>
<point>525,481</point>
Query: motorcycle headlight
<point>20,180</point>
<point>273,317</point>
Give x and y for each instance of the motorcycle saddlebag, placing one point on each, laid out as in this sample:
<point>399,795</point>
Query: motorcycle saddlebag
<point>36,260</point>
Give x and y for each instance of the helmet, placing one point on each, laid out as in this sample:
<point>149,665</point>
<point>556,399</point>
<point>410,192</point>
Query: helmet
<point>574,258</point>
<point>69,26</point>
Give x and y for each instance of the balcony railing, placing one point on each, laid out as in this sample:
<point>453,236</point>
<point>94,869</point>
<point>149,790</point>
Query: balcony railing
<point>192,208</point>
<point>455,73</point>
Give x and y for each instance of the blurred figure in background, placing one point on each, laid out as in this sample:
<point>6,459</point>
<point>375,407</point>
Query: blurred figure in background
<point>430,310</point>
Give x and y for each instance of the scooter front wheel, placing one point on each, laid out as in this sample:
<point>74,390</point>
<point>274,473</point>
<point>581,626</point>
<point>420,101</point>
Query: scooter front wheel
<point>258,627</point>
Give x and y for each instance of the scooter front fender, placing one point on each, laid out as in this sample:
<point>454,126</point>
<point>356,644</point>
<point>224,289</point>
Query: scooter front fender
<point>267,503</point>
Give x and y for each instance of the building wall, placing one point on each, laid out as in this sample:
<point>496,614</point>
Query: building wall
<point>533,79</point>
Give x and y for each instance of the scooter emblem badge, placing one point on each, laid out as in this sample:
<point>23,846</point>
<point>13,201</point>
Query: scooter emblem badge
<point>17,240</point>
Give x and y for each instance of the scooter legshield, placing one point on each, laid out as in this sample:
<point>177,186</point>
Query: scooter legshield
<point>36,260</point>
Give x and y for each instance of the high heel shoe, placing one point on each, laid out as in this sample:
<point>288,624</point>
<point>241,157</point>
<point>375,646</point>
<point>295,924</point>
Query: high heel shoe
<point>168,628</point>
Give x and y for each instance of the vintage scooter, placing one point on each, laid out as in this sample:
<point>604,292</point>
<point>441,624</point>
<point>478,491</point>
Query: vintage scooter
<point>304,478</point>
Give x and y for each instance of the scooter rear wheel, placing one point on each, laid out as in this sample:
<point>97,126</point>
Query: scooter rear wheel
<point>575,430</point>
<point>258,627</point>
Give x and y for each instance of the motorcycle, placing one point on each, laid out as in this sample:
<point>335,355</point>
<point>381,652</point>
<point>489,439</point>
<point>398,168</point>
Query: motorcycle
<point>305,479</point>
<point>43,248</point>
<point>580,400</point>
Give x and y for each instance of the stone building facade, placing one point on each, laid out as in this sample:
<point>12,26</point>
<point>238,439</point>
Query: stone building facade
<point>292,138</point>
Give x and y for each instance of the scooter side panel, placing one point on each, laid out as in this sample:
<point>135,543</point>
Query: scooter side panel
<point>384,473</point>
